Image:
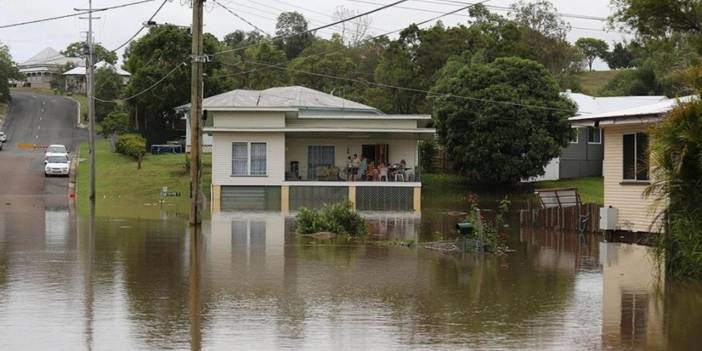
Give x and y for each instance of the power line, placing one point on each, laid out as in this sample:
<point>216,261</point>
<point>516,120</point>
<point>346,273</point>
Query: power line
<point>147,89</point>
<point>507,8</point>
<point>73,14</point>
<point>142,27</point>
<point>317,28</point>
<point>239,17</point>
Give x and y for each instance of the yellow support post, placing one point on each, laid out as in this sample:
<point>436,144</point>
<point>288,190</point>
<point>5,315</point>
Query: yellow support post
<point>285,199</point>
<point>352,195</point>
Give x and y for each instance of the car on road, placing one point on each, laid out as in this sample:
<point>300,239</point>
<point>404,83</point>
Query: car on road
<point>3,137</point>
<point>56,150</point>
<point>57,165</point>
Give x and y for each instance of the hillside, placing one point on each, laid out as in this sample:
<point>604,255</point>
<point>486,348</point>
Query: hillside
<point>593,82</point>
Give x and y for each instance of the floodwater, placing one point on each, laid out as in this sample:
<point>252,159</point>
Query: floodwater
<point>248,282</point>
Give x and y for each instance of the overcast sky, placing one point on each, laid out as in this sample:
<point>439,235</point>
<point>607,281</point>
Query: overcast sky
<point>116,26</point>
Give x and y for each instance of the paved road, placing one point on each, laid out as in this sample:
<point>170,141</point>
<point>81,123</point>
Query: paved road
<point>36,119</point>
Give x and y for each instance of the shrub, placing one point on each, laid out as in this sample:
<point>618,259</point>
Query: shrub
<point>339,218</point>
<point>427,152</point>
<point>132,145</point>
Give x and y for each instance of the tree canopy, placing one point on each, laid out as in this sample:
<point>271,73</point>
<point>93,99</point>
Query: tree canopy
<point>79,49</point>
<point>108,86</point>
<point>8,70</point>
<point>291,27</point>
<point>592,49</point>
<point>487,121</point>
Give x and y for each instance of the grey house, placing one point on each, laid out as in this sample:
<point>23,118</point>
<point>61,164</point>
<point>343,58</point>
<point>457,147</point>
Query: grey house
<point>583,156</point>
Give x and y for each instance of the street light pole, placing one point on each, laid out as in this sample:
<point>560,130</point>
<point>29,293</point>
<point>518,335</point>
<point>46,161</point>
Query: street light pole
<point>196,115</point>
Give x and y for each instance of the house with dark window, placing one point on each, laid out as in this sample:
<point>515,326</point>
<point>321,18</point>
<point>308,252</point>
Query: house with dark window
<point>288,147</point>
<point>583,156</point>
<point>626,167</point>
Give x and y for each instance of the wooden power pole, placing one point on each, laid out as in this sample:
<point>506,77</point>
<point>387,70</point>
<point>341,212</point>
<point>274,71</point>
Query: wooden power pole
<point>90,89</point>
<point>198,59</point>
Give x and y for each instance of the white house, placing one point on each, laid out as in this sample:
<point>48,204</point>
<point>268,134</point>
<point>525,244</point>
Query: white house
<point>75,78</point>
<point>625,166</point>
<point>583,156</point>
<point>288,147</point>
<point>40,69</point>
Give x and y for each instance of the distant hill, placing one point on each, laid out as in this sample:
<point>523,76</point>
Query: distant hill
<point>593,82</point>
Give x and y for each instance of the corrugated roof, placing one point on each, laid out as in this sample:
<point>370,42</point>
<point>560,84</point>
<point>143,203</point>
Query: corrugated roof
<point>591,105</point>
<point>80,71</point>
<point>651,109</point>
<point>50,57</point>
<point>284,97</point>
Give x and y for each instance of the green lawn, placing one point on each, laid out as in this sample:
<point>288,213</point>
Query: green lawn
<point>591,189</point>
<point>121,187</point>
<point>593,82</point>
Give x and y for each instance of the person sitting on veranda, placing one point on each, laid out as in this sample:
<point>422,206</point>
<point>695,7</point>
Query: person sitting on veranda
<point>372,173</point>
<point>382,171</point>
<point>363,168</point>
<point>355,164</point>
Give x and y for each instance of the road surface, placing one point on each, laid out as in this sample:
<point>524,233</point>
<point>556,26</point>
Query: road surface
<point>36,119</point>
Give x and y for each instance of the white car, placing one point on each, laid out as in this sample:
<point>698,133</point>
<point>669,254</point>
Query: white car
<point>57,165</point>
<point>3,137</point>
<point>56,150</point>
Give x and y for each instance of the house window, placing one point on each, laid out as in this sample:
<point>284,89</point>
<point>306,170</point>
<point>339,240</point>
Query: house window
<point>575,136</point>
<point>635,156</point>
<point>594,135</point>
<point>248,159</point>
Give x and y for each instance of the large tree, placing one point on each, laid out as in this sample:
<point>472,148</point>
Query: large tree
<point>503,121</point>
<point>108,86</point>
<point>592,48</point>
<point>79,49</point>
<point>265,66</point>
<point>291,29</point>
<point>8,70</point>
<point>620,57</point>
<point>660,17</point>
<point>162,57</point>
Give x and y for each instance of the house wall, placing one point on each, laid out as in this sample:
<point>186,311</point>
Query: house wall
<point>581,159</point>
<point>248,119</point>
<point>398,149</point>
<point>636,213</point>
<point>350,123</point>
<point>222,158</point>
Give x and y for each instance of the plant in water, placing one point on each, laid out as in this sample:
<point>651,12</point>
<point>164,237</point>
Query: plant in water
<point>338,218</point>
<point>676,157</point>
<point>487,234</point>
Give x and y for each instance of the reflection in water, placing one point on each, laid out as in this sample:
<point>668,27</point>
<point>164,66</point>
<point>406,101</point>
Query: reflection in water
<point>247,280</point>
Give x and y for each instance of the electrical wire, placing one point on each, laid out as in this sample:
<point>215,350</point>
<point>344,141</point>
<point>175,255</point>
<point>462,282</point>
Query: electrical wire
<point>73,14</point>
<point>147,89</point>
<point>142,27</point>
<point>317,28</point>
<point>239,17</point>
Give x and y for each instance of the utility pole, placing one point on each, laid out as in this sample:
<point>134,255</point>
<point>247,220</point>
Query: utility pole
<point>196,82</point>
<point>89,70</point>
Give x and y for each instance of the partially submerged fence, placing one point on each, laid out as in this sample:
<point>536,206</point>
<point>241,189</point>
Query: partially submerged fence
<point>560,209</point>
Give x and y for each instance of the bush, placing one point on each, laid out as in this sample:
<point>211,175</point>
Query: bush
<point>427,153</point>
<point>338,218</point>
<point>132,145</point>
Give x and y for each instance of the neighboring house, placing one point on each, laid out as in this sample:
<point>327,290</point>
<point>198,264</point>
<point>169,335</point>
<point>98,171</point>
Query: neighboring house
<point>583,156</point>
<point>626,169</point>
<point>42,67</point>
<point>288,147</point>
<point>75,78</point>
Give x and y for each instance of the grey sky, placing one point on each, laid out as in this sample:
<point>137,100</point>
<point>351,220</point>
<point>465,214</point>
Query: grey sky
<point>116,26</point>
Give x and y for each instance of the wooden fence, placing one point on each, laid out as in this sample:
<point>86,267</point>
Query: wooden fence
<point>560,218</point>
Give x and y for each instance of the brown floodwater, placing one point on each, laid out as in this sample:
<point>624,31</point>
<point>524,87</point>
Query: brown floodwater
<point>246,281</point>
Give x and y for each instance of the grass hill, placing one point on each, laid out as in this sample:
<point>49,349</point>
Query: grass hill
<point>593,82</point>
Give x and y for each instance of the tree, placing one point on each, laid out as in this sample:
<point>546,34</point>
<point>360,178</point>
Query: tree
<point>620,57</point>
<point>291,28</point>
<point>79,49</point>
<point>161,56</point>
<point>8,70</point>
<point>540,16</point>
<point>261,76</point>
<point>592,48</point>
<point>659,18</point>
<point>116,123</point>
<point>108,86</point>
<point>352,32</point>
<point>503,121</point>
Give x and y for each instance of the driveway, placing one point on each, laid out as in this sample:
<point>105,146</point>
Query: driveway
<point>36,119</point>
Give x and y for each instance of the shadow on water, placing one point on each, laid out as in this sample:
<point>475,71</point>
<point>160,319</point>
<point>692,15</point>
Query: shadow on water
<point>247,279</point>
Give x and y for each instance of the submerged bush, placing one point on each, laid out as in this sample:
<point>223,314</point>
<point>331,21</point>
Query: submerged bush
<point>338,218</point>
